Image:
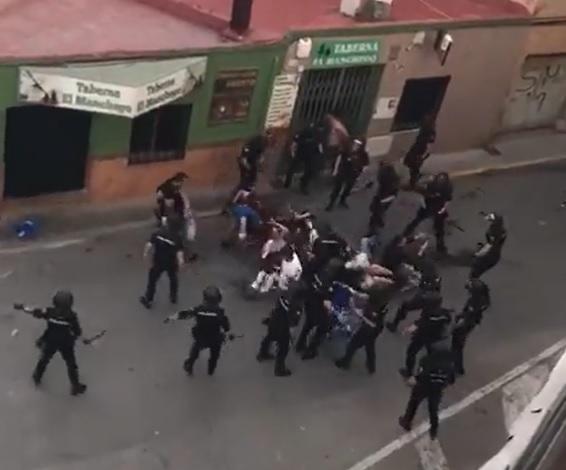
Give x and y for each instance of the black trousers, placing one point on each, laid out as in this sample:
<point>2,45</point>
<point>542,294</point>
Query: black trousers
<point>414,303</point>
<point>361,339</point>
<point>414,175</point>
<point>154,274</point>
<point>67,351</point>
<point>316,320</point>
<point>417,343</point>
<point>439,222</point>
<point>459,339</point>
<point>281,340</point>
<point>482,265</point>
<point>215,346</point>
<point>342,188</point>
<point>308,172</point>
<point>377,217</point>
<point>433,395</point>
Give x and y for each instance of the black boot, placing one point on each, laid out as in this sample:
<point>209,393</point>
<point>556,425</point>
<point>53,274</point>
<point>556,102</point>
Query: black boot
<point>146,303</point>
<point>188,367</point>
<point>404,423</point>
<point>78,389</point>
<point>309,354</point>
<point>392,326</point>
<point>36,379</point>
<point>282,372</point>
<point>342,364</point>
<point>264,357</point>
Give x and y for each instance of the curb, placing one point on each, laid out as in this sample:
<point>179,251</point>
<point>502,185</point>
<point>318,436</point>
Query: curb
<point>507,166</point>
<point>80,237</point>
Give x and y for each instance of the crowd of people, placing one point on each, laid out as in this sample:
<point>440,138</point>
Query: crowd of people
<point>325,288</point>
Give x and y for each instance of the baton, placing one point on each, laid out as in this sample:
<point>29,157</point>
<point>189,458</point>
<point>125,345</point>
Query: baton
<point>92,339</point>
<point>453,223</point>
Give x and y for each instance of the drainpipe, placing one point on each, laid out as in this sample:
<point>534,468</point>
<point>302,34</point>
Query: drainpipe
<point>241,16</point>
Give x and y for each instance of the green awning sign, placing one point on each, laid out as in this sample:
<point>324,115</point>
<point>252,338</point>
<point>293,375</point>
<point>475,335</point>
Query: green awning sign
<point>347,53</point>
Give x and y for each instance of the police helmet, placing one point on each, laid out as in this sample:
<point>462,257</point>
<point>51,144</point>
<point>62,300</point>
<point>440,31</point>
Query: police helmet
<point>63,299</point>
<point>212,295</point>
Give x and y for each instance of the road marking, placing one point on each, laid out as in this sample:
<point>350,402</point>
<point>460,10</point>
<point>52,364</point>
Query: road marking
<point>456,408</point>
<point>517,394</point>
<point>56,245</point>
<point>431,454</point>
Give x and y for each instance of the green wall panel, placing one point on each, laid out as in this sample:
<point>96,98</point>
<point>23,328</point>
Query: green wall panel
<point>109,135</point>
<point>267,60</point>
<point>8,86</point>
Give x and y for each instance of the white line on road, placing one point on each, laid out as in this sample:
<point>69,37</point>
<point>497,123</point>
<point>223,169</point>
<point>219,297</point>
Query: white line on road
<point>516,395</point>
<point>453,410</point>
<point>42,247</point>
<point>431,454</point>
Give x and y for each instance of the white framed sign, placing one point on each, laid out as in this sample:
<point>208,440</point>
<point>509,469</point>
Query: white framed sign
<point>63,91</point>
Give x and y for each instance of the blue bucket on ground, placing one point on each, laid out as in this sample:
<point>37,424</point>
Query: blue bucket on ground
<point>26,229</point>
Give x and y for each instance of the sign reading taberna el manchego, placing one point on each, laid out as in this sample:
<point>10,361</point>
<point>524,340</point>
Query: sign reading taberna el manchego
<point>345,53</point>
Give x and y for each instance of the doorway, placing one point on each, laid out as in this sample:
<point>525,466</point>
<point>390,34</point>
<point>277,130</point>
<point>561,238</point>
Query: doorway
<point>348,93</point>
<point>421,97</point>
<point>45,150</point>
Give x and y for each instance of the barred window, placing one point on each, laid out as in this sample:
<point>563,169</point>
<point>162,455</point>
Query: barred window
<point>160,135</point>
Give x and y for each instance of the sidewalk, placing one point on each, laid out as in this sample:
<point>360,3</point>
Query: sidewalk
<point>60,218</point>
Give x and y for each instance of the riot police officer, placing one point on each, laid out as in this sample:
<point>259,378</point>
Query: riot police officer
<point>419,151</point>
<point>63,329</point>
<point>348,167</point>
<point>388,187</point>
<point>284,316</point>
<point>489,253</point>
<point>479,301</point>
<point>435,373</point>
<point>168,256</point>
<point>306,151</point>
<point>209,331</point>
<point>432,326</point>
<point>365,336</point>
<point>317,317</point>
<point>437,194</point>
<point>427,295</point>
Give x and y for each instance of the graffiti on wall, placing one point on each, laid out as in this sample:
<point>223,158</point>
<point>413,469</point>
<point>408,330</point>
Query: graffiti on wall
<point>538,98</point>
<point>536,83</point>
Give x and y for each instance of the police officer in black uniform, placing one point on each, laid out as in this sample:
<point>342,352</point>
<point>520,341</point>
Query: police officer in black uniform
<point>479,301</point>
<point>428,294</point>
<point>435,373</point>
<point>284,316</point>
<point>306,151</point>
<point>169,199</point>
<point>317,318</point>
<point>63,329</point>
<point>250,158</point>
<point>347,169</point>
<point>437,195</point>
<point>365,336</point>
<point>168,256</point>
<point>388,187</point>
<point>489,253</point>
<point>432,326</point>
<point>209,331</point>
<point>418,152</point>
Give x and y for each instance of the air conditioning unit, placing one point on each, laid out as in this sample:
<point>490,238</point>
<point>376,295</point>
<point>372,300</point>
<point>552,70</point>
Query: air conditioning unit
<point>367,10</point>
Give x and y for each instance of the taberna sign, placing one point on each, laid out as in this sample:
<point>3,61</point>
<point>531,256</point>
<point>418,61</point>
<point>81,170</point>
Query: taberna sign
<point>344,53</point>
<point>120,93</point>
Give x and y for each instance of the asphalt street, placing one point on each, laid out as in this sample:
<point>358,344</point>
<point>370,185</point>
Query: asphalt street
<point>142,412</point>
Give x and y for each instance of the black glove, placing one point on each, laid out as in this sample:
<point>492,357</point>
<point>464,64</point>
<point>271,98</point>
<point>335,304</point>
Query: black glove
<point>18,306</point>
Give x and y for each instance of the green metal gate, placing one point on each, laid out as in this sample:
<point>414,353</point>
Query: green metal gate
<point>348,93</point>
